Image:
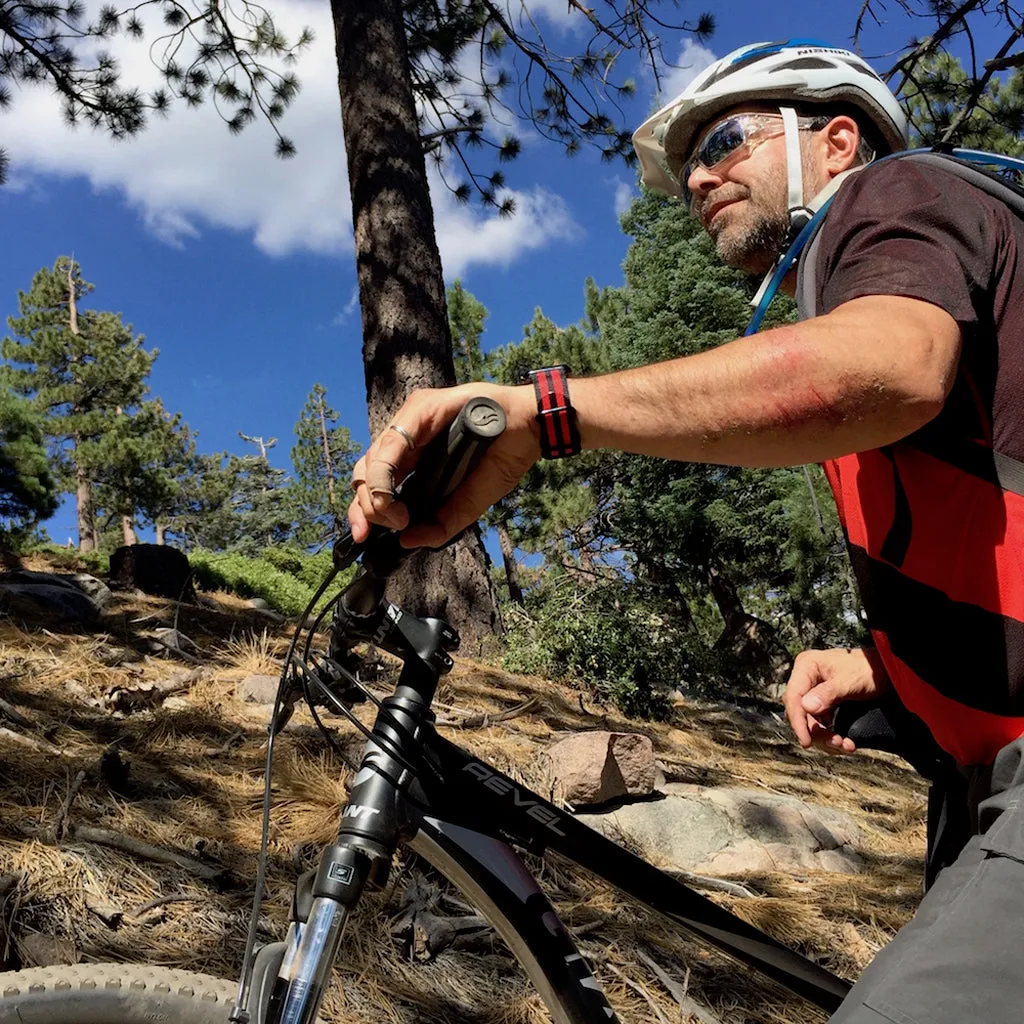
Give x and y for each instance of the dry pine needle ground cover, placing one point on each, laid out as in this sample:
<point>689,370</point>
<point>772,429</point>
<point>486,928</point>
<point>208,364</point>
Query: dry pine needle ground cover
<point>186,779</point>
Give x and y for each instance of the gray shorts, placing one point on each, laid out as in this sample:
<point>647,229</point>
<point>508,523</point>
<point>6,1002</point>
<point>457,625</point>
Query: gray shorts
<point>961,959</point>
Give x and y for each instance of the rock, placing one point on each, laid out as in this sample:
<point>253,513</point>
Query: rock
<point>96,589</point>
<point>154,569</point>
<point>55,604</point>
<point>93,588</point>
<point>167,639</point>
<point>595,767</point>
<point>724,831</point>
<point>38,950</point>
<point>176,704</point>
<point>258,689</point>
<point>257,604</point>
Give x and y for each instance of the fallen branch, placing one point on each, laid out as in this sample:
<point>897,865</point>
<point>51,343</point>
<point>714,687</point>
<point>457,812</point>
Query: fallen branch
<point>134,848</point>
<point>479,721</point>
<point>711,884</point>
<point>31,742</point>
<point>148,695</point>
<point>678,992</point>
<point>11,712</point>
<point>65,808</point>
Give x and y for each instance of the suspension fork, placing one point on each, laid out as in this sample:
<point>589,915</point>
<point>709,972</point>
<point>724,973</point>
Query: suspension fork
<point>371,825</point>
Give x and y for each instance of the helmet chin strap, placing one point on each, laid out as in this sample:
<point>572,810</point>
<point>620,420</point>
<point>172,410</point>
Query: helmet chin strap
<point>798,213</point>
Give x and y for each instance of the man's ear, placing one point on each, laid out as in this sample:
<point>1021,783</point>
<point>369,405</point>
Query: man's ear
<point>840,138</point>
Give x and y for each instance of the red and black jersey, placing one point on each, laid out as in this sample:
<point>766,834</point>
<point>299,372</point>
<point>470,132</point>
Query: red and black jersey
<point>935,522</point>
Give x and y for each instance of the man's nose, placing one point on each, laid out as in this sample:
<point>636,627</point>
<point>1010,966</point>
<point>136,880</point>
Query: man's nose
<point>701,181</point>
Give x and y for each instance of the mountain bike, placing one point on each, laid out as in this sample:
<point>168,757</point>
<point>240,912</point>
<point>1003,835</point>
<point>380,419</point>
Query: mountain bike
<point>413,787</point>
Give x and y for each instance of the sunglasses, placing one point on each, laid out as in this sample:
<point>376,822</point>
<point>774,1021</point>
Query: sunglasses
<point>741,133</point>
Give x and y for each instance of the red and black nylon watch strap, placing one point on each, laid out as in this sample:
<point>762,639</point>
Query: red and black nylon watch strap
<point>559,434</point>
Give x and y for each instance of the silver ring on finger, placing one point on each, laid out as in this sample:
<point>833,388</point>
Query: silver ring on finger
<point>406,436</point>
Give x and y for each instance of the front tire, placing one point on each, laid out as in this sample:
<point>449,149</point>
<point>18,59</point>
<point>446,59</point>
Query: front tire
<point>114,994</point>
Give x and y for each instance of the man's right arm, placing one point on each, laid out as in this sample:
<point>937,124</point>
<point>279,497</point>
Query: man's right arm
<point>865,375</point>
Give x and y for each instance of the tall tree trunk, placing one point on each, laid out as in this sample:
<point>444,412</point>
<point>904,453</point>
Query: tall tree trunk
<point>757,653</point>
<point>161,533</point>
<point>665,583</point>
<point>83,496</point>
<point>406,338</point>
<point>328,461</point>
<point>508,557</point>
<point>86,513</point>
<point>128,531</point>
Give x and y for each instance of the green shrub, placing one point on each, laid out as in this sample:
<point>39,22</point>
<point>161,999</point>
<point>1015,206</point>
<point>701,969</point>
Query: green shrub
<point>286,578</point>
<point>606,641</point>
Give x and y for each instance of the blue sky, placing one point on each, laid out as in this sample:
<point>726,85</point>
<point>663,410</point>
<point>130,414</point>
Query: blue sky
<point>239,267</point>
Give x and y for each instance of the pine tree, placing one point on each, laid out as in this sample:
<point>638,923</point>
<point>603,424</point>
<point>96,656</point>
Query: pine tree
<point>151,450</point>
<point>27,487</point>
<point>695,531</point>
<point>466,318</point>
<point>263,512</point>
<point>203,514</point>
<point>232,54</point>
<point>82,370</point>
<point>322,461</point>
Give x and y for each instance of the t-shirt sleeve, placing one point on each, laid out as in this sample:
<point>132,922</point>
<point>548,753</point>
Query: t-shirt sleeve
<point>897,228</point>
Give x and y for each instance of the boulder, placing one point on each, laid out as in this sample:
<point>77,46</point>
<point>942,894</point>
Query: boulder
<point>50,603</point>
<point>93,588</point>
<point>57,598</point>
<point>258,689</point>
<point>727,831</point>
<point>154,569</point>
<point>595,767</point>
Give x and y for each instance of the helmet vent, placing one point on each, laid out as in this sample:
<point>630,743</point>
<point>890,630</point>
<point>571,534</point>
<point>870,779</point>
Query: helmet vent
<point>805,64</point>
<point>863,69</point>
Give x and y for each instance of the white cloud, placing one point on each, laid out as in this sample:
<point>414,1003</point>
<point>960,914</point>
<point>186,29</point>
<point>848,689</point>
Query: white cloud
<point>185,172</point>
<point>692,60</point>
<point>625,193</point>
<point>466,240</point>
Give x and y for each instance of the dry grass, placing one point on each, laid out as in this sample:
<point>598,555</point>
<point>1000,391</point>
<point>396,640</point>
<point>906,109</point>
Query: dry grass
<point>187,789</point>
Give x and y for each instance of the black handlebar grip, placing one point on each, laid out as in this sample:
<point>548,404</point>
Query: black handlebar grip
<point>450,458</point>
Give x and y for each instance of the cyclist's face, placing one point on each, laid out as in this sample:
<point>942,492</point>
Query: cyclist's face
<point>741,197</point>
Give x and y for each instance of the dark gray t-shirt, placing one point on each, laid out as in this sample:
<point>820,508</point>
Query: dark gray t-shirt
<point>900,227</point>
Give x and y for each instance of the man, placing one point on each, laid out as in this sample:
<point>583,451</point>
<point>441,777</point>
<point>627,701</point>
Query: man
<point>904,386</point>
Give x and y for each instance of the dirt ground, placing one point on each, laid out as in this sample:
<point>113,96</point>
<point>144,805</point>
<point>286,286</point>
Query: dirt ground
<point>186,778</point>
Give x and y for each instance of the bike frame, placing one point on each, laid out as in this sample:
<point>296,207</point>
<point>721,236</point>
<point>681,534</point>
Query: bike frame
<point>465,818</point>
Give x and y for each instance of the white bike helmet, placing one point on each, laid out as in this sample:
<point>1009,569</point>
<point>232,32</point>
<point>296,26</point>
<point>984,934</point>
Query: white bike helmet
<point>802,71</point>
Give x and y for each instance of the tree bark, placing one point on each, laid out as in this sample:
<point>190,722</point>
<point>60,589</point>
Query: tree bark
<point>161,533</point>
<point>128,531</point>
<point>328,461</point>
<point>759,656</point>
<point>406,338</point>
<point>83,491</point>
<point>86,513</point>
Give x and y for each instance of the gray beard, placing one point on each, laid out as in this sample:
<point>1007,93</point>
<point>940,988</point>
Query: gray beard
<point>756,251</point>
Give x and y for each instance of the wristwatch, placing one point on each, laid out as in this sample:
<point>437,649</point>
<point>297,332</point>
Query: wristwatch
<point>559,434</point>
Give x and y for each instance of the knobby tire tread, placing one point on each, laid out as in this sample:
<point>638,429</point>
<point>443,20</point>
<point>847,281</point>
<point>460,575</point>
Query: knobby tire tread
<point>114,994</point>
